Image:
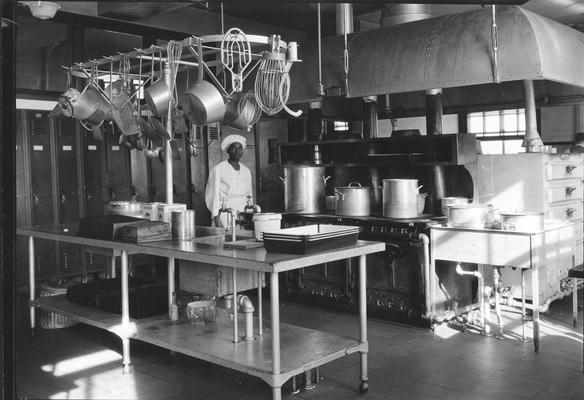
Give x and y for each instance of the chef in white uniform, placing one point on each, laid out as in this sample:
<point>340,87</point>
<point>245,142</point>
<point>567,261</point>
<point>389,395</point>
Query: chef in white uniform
<point>228,180</point>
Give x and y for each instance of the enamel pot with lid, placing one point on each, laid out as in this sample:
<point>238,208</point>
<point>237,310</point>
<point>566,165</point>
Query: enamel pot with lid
<point>353,200</point>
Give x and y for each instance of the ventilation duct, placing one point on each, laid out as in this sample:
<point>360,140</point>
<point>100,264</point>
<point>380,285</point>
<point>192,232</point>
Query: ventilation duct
<point>395,14</point>
<point>444,52</point>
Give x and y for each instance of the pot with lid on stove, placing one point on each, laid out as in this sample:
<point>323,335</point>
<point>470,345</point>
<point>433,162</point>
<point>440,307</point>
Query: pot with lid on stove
<point>353,200</point>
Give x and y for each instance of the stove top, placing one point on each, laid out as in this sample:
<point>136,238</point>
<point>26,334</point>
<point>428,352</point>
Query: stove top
<point>373,227</point>
<point>422,219</point>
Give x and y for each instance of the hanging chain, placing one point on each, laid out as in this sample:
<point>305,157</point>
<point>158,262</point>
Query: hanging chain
<point>495,44</point>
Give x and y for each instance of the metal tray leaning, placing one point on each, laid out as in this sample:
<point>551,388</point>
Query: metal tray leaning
<point>310,238</point>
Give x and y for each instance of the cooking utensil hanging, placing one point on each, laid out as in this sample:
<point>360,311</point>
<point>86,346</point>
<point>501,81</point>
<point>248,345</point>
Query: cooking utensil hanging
<point>123,111</point>
<point>242,111</point>
<point>206,102</point>
<point>272,83</point>
<point>158,95</point>
<point>235,56</point>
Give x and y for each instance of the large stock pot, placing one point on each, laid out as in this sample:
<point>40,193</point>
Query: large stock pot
<point>400,198</point>
<point>304,188</point>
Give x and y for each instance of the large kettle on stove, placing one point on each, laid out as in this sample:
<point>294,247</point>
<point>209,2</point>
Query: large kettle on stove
<point>400,198</point>
<point>304,188</point>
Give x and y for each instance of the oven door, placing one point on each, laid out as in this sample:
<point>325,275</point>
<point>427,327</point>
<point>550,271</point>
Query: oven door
<point>394,282</point>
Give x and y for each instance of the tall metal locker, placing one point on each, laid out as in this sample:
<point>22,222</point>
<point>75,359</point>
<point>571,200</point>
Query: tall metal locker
<point>23,198</point>
<point>118,179</point>
<point>94,171</point>
<point>68,190</point>
<point>93,152</point>
<point>41,159</point>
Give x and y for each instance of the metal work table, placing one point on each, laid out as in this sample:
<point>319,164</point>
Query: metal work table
<point>523,250</point>
<point>278,353</point>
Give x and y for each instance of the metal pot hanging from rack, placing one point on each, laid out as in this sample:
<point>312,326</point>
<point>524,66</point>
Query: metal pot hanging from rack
<point>242,111</point>
<point>158,94</point>
<point>206,102</point>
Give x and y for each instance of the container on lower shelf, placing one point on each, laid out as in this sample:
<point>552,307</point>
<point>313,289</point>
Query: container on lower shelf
<point>51,320</point>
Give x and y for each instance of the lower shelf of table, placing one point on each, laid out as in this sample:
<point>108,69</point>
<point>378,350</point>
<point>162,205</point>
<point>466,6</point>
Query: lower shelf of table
<point>301,348</point>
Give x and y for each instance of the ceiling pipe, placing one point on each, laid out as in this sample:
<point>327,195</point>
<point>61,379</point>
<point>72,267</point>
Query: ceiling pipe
<point>344,17</point>
<point>532,141</point>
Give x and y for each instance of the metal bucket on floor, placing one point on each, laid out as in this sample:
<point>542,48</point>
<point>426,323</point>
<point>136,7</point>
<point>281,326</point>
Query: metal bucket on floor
<point>51,320</point>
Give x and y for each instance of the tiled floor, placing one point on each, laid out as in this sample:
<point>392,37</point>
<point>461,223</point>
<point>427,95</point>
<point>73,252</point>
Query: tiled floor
<point>82,362</point>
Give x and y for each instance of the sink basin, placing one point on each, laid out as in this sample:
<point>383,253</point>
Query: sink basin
<point>218,237</point>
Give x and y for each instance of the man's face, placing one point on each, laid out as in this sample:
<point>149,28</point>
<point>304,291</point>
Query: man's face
<point>235,151</point>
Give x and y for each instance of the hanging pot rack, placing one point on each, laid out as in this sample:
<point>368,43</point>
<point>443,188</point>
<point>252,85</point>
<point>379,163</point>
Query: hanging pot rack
<point>211,43</point>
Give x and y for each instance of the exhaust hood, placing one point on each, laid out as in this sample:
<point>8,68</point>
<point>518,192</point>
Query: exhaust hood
<point>444,52</point>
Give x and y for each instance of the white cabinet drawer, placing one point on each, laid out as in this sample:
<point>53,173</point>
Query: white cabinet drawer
<point>578,231</point>
<point>566,211</point>
<point>564,191</point>
<point>563,170</point>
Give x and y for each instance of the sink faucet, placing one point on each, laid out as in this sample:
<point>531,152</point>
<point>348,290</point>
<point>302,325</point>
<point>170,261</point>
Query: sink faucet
<point>232,215</point>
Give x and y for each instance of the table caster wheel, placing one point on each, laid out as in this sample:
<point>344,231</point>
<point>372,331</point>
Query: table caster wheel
<point>364,387</point>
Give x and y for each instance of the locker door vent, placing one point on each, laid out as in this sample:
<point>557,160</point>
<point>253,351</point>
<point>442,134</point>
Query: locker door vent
<point>214,131</point>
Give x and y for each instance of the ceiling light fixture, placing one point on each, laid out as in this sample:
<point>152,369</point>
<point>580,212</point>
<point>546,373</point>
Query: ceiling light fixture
<point>42,9</point>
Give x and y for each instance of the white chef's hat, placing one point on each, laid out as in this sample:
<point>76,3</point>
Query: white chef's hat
<point>232,139</point>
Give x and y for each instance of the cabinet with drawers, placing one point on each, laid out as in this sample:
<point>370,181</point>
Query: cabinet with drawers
<point>541,182</point>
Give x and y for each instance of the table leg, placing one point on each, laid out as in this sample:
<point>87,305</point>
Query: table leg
<point>235,307</point>
<point>126,362</point>
<point>277,393</point>
<point>31,283</point>
<point>535,304</point>
<point>432,284</point>
<point>523,313</point>
<point>171,288</point>
<point>260,306</point>
<point>275,310</point>
<point>363,321</point>
<point>113,265</point>
<point>575,301</point>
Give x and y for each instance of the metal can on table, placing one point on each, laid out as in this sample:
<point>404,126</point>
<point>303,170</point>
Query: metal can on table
<point>183,224</point>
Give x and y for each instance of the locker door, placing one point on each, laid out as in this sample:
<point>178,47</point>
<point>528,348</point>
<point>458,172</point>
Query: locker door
<point>93,169</point>
<point>94,196</point>
<point>118,178</point>
<point>42,189</point>
<point>68,191</point>
<point>68,178</point>
<point>23,199</point>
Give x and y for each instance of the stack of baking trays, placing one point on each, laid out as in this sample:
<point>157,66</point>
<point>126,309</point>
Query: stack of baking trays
<point>147,298</point>
<point>310,238</point>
